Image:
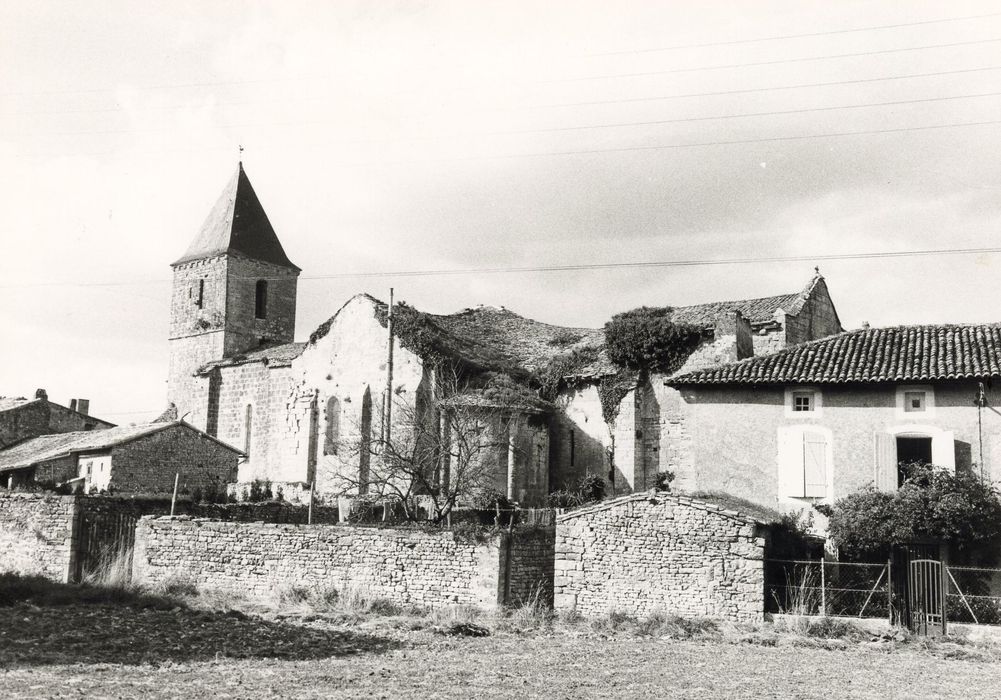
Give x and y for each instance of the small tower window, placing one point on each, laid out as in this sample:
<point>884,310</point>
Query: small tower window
<point>261,299</point>
<point>199,294</point>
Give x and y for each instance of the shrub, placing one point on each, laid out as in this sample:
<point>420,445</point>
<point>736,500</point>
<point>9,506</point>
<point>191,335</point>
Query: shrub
<point>260,491</point>
<point>663,481</point>
<point>647,339</point>
<point>565,337</point>
<point>932,504</point>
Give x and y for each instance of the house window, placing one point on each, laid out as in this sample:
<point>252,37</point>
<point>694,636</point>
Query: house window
<point>804,462</point>
<point>261,299</point>
<point>803,403</point>
<point>915,402</point>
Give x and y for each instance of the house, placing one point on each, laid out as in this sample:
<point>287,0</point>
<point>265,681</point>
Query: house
<point>135,458</point>
<point>303,412</point>
<point>22,418</point>
<point>814,422</point>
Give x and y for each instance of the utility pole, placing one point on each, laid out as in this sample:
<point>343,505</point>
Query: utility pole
<point>388,413</point>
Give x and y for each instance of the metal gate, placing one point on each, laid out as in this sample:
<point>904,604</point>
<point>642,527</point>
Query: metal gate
<point>926,596</point>
<point>104,543</point>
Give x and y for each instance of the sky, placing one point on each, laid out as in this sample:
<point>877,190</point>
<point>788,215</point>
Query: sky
<point>388,137</point>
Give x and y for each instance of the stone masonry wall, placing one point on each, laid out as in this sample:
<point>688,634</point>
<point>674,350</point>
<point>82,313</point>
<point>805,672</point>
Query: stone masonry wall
<point>37,534</point>
<point>148,465</point>
<point>410,567</point>
<point>658,552</point>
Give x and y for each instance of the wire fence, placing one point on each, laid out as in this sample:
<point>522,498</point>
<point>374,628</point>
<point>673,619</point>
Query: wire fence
<point>862,590</point>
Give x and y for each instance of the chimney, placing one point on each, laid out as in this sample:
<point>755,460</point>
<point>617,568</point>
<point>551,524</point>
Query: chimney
<point>83,406</point>
<point>735,325</point>
<point>41,394</point>
<point>72,404</point>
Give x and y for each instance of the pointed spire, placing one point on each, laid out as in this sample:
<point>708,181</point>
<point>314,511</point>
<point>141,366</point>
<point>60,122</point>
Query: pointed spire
<point>238,223</point>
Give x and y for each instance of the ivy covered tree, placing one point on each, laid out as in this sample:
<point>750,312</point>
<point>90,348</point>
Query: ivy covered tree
<point>648,339</point>
<point>933,504</point>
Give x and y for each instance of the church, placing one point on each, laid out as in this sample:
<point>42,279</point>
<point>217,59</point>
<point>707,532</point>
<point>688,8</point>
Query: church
<point>556,407</point>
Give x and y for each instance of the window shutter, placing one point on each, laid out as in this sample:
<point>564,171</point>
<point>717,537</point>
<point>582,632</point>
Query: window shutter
<point>943,451</point>
<point>885,474</point>
<point>790,463</point>
<point>815,465</point>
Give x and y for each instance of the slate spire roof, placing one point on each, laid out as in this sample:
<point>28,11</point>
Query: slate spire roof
<point>238,223</point>
<point>896,354</point>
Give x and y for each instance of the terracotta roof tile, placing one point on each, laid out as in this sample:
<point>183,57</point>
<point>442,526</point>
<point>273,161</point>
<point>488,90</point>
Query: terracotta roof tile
<point>896,354</point>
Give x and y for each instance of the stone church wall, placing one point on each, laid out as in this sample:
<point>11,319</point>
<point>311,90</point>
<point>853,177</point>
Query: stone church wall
<point>655,552</point>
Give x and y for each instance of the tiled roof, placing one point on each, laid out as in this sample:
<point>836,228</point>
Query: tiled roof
<point>757,311</point>
<point>47,447</point>
<point>273,356</point>
<point>238,223</point>
<point>897,354</point>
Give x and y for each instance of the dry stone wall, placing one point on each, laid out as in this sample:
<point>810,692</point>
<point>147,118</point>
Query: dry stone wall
<point>431,569</point>
<point>659,552</point>
<point>37,534</point>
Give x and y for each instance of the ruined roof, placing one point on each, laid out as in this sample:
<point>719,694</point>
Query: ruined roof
<point>896,354</point>
<point>529,343</point>
<point>49,447</point>
<point>272,356</point>
<point>238,223</point>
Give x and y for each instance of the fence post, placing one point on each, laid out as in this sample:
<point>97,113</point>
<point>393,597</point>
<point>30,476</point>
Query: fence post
<point>889,590</point>
<point>823,590</point>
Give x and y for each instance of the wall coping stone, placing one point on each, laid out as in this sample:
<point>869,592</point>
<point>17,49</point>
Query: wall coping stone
<point>653,495</point>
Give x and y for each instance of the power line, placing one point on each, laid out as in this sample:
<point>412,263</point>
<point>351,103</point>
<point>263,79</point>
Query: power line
<point>872,255</point>
<point>584,151</point>
<point>768,89</point>
<point>744,115</point>
<point>735,42</point>
<point>541,129</point>
<point>769,63</point>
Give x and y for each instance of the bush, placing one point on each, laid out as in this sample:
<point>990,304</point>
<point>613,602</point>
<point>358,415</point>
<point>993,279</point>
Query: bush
<point>932,504</point>
<point>663,481</point>
<point>564,337</point>
<point>647,339</point>
<point>260,491</point>
<point>590,489</point>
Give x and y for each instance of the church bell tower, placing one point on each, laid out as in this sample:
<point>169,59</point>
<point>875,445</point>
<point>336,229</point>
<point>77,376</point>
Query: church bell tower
<point>233,291</point>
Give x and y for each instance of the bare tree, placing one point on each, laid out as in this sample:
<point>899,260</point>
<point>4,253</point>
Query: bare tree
<point>447,443</point>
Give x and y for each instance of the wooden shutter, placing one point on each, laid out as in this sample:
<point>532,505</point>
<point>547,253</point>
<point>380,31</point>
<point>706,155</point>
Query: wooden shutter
<point>943,451</point>
<point>885,474</point>
<point>815,465</point>
<point>790,463</point>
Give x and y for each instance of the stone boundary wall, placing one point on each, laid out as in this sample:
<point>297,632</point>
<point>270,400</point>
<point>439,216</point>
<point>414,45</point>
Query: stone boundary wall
<point>432,569</point>
<point>660,552</point>
<point>38,534</point>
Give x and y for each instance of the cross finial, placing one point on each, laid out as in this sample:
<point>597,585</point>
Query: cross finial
<point>241,153</point>
<point>816,268</point>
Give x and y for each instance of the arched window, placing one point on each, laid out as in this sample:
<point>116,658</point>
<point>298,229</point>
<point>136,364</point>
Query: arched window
<point>332,416</point>
<point>248,427</point>
<point>261,299</point>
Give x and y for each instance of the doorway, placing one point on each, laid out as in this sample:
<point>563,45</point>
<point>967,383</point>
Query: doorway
<point>910,450</point>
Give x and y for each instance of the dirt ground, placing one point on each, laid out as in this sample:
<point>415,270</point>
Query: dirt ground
<point>105,651</point>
